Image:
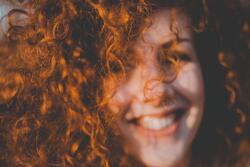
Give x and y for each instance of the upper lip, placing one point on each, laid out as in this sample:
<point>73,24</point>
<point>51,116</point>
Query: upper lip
<point>153,112</point>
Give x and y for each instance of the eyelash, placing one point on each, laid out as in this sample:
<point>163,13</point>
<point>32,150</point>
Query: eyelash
<point>117,68</point>
<point>184,57</point>
<point>177,56</point>
<point>129,65</point>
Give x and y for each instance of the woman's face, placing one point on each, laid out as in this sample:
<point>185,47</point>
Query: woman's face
<point>159,119</point>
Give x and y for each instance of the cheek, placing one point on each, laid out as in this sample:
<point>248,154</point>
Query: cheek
<point>116,103</point>
<point>114,96</point>
<point>190,83</point>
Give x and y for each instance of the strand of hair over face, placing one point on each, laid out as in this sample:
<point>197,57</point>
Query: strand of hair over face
<point>51,68</point>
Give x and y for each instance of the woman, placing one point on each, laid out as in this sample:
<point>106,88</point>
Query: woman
<point>160,116</point>
<point>120,83</point>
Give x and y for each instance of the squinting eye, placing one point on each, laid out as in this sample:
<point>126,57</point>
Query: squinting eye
<point>183,57</point>
<point>177,56</point>
<point>172,60</point>
<point>117,68</point>
<point>129,67</point>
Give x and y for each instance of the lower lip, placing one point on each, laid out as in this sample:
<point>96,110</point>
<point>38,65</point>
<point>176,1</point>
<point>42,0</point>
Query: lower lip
<point>166,132</point>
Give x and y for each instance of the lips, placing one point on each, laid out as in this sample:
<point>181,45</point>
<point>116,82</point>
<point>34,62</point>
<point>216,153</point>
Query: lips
<point>158,122</point>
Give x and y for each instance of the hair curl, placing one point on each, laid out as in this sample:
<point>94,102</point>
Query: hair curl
<point>52,69</point>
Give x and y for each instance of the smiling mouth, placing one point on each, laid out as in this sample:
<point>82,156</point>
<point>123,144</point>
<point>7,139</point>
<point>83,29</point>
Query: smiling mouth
<point>158,122</point>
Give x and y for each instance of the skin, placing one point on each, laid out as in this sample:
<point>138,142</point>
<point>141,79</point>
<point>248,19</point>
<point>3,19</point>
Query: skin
<point>4,9</point>
<point>171,146</point>
<point>19,19</point>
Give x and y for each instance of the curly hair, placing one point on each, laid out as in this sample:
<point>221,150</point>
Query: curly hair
<point>52,68</point>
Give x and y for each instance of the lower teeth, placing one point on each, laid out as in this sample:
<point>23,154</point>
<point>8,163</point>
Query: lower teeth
<point>154,123</point>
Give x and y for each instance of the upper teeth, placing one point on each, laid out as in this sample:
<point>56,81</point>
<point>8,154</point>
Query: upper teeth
<point>156,123</point>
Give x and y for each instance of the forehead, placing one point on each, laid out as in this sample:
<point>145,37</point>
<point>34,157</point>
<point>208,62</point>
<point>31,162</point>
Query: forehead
<point>163,26</point>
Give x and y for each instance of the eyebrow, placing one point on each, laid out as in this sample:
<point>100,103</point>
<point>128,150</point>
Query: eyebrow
<point>170,43</point>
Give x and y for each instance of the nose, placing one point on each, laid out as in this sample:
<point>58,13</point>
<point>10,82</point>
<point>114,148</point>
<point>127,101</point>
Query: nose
<point>153,88</point>
<point>157,92</point>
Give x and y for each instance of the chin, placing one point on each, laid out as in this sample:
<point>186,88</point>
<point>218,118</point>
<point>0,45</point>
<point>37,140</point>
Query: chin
<point>163,147</point>
<point>161,159</point>
<point>161,153</point>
